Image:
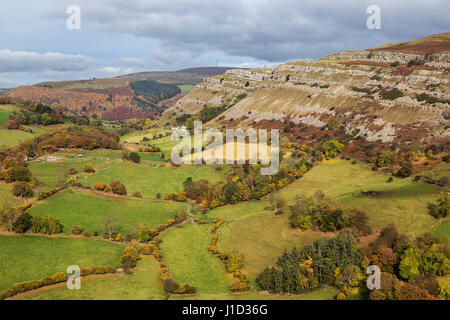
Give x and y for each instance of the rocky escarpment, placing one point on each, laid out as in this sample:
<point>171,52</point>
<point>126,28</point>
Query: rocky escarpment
<point>369,97</point>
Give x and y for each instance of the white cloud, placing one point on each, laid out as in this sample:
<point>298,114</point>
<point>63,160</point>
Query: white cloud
<point>16,61</point>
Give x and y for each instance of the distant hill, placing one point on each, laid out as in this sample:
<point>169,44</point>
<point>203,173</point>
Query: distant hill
<point>191,76</point>
<point>207,71</point>
<point>136,95</point>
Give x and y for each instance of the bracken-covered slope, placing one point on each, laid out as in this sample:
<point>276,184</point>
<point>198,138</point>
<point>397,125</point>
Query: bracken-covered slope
<point>137,95</point>
<point>382,96</point>
<point>111,99</point>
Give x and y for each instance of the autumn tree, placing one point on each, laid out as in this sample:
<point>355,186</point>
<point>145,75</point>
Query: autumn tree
<point>118,188</point>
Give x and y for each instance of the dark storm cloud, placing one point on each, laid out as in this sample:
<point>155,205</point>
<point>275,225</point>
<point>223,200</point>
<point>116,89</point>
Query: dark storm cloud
<point>266,30</point>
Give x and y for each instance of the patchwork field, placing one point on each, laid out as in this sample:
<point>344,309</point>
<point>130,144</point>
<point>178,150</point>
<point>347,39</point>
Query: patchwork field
<point>10,138</point>
<point>52,174</point>
<point>21,258</point>
<point>185,251</point>
<point>402,201</point>
<point>6,196</point>
<point>326,293</point>
<point>150,180</point>
<point>3,117</point>
<point>143,284</point>
<point>258,234</point>
<point>87,209</point>
<point>262,236</point>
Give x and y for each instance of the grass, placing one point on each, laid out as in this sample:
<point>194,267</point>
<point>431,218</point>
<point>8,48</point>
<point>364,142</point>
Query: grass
<point>262,237</point>
<point>143,284</point>
<point>6,196</point>
<point>326,293</point>
<point>27,258</point>
<point>150,180</point>
<point>4,117</point>
<point>258,234</point>
<point>403,202</point>
<point>185,251</point>
<point>107,154</point>
<point>442,230</point>
<point>10,138</point>
<point>87,209</point>
<point>186,88</point>
<point>52,174</point>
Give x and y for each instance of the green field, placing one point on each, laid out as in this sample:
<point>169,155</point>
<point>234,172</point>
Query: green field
<point>262,237</point>
<point>87,209</point>
<point>10,138</point>
<point>403,201</point>
<point>150,180</point>
<point>185,251</point>
<point>6,196</point>
<point>143,284</point>
<point>326,293</point>
<point>186,88</point>
<point>50,175</point>
<point>106,155</point>
<point>258,234</point>
<point>442,230</point>
<point>27,258</point>
<point>4,117</point>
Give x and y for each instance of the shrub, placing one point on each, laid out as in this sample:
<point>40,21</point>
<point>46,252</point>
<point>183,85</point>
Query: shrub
<point>102,186</point>
<point>72,171</point>
<point>51,225</point>
<point>23,223</point>
<point>89,168</point>
<point>444,181</point>
<point>135,157</point>
<point>22,189</point>
<point>17,173</point>
<point>76,229</point>
<point>392,94</point>
<point>128,261</point>
<point>442,208</point>
<point>86,234</point>
<point>406,169</point>
<point>118,188</point>
<point>137,194</point>
<point>302,222</point>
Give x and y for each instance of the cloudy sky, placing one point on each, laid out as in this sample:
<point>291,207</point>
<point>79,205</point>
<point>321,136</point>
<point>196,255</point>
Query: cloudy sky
<point>118,36</point>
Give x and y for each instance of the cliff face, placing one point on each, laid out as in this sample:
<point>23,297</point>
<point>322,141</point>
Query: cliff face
<point>353,90</point>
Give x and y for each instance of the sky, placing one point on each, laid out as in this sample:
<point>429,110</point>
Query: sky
<point>125,36</point>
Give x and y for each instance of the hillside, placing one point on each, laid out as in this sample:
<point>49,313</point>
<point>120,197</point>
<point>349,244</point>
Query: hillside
<point>111,99</point>
<point>137,95</point>
<point>404,98</point>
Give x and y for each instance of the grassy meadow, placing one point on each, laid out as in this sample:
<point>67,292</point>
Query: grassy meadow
<point>52,174</point>
<point>87,209</point>
<point>185,251</point>
<point>403,201</point>
<point>143,284</point>
<point>262,236</point>
<point>4,117</point>
<point>150,180</point>
<point>27,258</point>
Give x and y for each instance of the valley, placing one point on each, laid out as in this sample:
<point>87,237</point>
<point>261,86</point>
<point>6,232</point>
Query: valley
<point>87,179</point>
